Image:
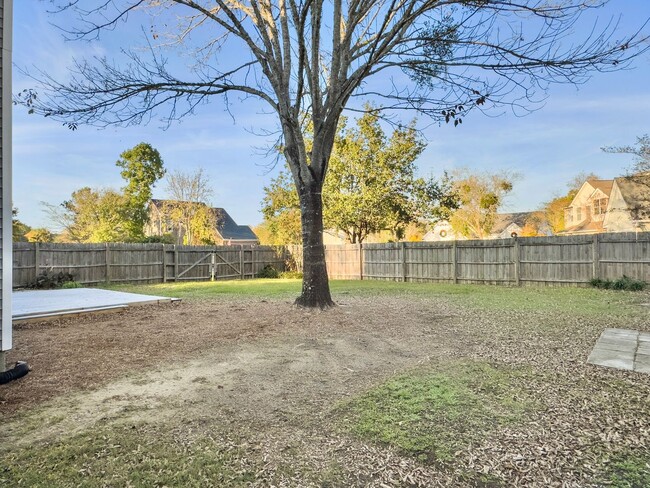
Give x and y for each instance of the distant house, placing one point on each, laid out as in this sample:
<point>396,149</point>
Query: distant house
<point>442,231</point>
<point>334,237</point>
<point>226,231</point>
<point>586,213</point>
<point>505,226</point>
<point>618,205</point>
<point>513,225</point>
<point>629,204</point>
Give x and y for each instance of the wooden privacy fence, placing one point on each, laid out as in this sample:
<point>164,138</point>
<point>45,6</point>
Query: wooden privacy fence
<point>142,263</point>
<point>557,260</point>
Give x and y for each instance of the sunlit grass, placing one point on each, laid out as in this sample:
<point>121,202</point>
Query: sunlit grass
<point>581,301</point>
<point>432,413</point>
<point>126,455</point>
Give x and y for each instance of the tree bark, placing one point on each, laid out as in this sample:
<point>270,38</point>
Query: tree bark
<point>315,285</point>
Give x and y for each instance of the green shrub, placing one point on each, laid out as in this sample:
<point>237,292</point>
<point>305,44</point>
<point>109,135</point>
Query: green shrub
<point>163,239</point>
<point>291,275</point>
<point>268,271</point>
<point>49,280</point>
<point>624,283</point>
<point>598,283</point>
<point>71,284</point>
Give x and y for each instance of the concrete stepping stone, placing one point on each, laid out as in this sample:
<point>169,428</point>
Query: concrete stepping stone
<point>622,349</point>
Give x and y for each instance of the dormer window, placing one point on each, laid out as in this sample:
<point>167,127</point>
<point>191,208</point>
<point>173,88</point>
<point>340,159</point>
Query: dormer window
<point>579,214</point>
<point>600,206</point>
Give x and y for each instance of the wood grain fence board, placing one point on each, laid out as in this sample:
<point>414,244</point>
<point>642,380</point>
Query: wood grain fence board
<point>625,254</point>
<point>343,262</point>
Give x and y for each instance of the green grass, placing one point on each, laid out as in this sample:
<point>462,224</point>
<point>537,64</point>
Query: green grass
<point>138,456</point>
<point>575,301</point>
<point>434,412</point>
<point>631,471</point>
<point>261,288</point>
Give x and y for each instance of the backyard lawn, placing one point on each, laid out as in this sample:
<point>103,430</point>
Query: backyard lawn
<point>400,385</point>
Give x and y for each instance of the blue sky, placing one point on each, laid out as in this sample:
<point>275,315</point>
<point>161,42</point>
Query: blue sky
<point>547,148</point>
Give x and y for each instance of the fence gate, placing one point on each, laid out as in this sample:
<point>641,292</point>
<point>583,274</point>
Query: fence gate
<point>205,264</point>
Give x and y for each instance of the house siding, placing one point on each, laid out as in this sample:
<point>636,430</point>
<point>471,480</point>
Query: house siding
<point>617,218</point>
<point>6,13</point>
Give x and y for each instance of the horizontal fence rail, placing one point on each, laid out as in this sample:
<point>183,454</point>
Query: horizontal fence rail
<point>554,261</point>
<point>93,264</point>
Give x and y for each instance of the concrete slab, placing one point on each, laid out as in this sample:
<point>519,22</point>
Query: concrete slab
<point>642,368</point>
<point>619,333</point>
<point>41,304</point>
<point>612,359</point>
<point>644,348</point>
<point>642,358</point>
<point>622,349</point>
<point>629,346</point>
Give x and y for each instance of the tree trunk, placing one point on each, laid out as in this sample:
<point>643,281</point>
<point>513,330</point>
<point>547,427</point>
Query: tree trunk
<point>315,285</point>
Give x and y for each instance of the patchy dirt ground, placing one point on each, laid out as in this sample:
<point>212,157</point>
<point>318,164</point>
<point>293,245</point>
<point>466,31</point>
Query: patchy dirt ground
<point>265,377</point>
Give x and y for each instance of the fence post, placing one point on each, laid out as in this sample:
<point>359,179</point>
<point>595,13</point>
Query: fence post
<point>454,260</point>
<point>108,263</point>
<point>37,259</point>
<point>164,264</point>
<point>241,261</point>
<point>175,263</point>
<point>517,261</point>
<point>595,248</point>
<point>213,266</point>
<point>360,261</point>
<point>403,252</point>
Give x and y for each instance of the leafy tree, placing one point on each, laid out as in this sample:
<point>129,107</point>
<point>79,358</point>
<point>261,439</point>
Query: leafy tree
<point>264,235</point>
<point>553,211</point>
<point>18,228</point>
<point>533,225</point>
<point>100,215</point>
<point>106,215</point>
<point>479,195</point>
<point>640,151</point>
<point>188,208</point>
<point>371,183</point>
<point>281,210</point>
<point>370,186</point>
<point>141,167</point>
<point>39,235</point>
<point>313,57</point>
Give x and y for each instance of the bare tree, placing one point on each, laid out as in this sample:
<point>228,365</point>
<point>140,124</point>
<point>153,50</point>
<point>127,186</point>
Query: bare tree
<point>640,151</point>
<point>309,58</point>
<point>189,205</point>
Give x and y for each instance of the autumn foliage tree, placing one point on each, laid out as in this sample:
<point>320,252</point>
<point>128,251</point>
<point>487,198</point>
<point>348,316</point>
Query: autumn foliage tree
<point>18,228</point>
<point>479,197</point>
<point>313,58</point>
<point>92,215</point>
<point>39,235</point>
<point>554,210</point>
